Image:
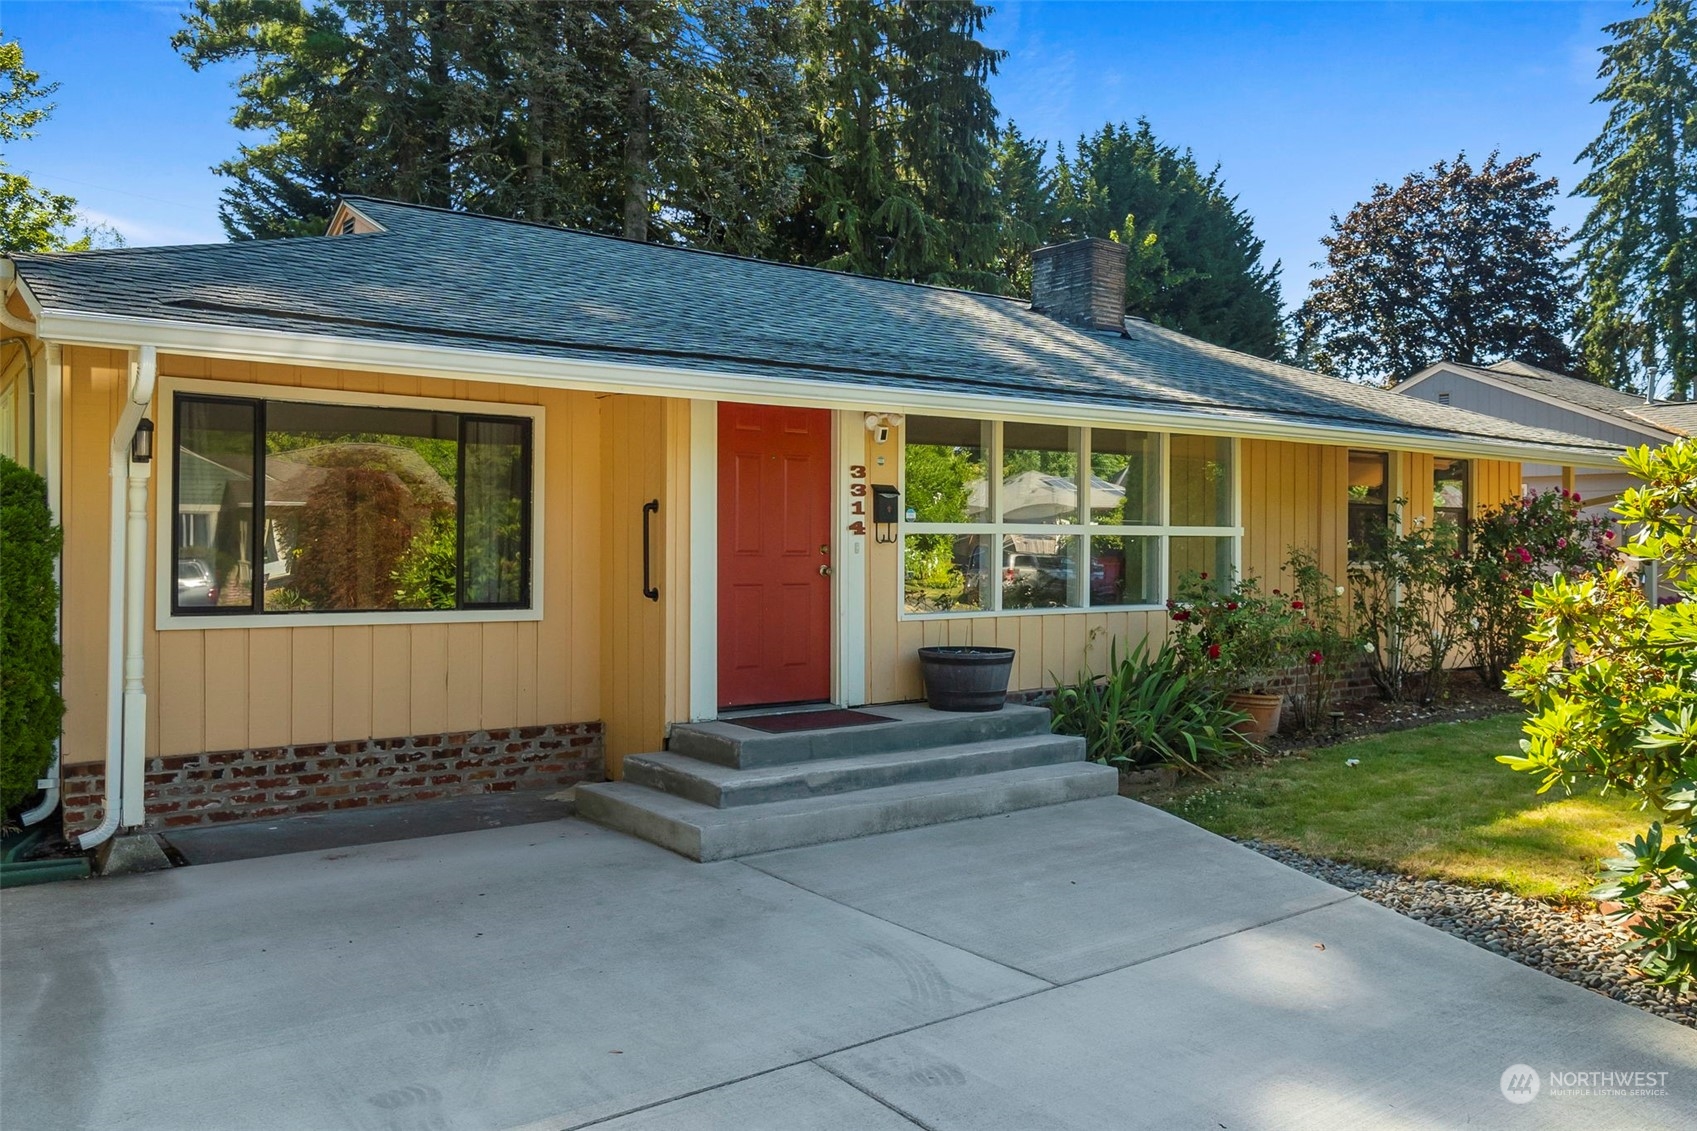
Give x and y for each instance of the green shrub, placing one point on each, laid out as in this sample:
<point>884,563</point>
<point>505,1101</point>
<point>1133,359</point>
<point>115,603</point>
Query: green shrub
<point>1402,604</point>
<point>1148,711</point>
<point>1611,683</point>
<point>30,663</point>
<point>1512,547</point>
<point>425,577</point>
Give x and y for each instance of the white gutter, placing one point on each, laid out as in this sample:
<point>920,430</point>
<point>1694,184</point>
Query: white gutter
<point>126,714</point>
<point>653,380</point>
<point>49,785</point>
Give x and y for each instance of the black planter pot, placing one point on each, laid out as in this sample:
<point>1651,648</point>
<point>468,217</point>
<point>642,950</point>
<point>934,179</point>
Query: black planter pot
<point>966,678</point>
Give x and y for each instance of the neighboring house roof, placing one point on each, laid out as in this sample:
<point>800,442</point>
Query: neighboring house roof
<point>473,284</point>
<point>1572,392</point>
<point>1678,417</point>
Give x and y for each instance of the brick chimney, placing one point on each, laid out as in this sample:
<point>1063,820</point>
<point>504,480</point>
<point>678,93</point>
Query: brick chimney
<point>1082,282</point>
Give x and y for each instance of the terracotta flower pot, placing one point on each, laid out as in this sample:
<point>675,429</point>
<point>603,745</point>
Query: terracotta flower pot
<point>1263,712</point>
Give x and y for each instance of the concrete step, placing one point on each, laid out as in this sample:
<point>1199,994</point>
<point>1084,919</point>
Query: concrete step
<point>724,787</point>
<point>913,726</point>
<point>702,832</point>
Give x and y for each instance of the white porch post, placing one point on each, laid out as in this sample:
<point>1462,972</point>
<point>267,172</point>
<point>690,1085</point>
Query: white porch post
<point>703,560</point>
<point>849,561</point>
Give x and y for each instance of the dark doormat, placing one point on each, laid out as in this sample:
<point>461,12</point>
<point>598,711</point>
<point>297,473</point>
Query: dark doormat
<point>809,720</point>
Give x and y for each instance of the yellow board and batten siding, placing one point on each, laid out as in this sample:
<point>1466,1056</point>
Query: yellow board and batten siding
<point>601,651</point>
<point>587,659</point>
<point>645,643</point>
<point>1291,495</point>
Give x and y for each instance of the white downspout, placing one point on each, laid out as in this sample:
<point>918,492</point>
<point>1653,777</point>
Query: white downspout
<point>126,717</point>
<point>49,785</point>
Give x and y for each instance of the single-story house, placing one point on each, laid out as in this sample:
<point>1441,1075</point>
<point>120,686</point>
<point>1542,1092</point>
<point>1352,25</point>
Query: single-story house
<point>527,497</point>
<point>1515,390</point>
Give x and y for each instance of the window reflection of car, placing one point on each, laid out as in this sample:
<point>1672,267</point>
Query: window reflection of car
<point>194,585</point>
<point>1047,577</point>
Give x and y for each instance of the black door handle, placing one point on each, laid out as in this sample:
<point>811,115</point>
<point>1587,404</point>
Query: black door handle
<point>651,507</point>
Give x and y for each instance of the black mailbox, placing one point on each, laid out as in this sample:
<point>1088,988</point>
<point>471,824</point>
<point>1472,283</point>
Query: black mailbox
<point>886,512</point>
<point>886,504</point>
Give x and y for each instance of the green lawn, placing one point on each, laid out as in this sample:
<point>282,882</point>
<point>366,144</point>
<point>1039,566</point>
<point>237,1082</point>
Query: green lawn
<point>1430,802</point>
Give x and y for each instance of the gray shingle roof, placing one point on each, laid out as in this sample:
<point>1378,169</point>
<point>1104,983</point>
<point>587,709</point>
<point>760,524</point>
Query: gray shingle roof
<point>1586,394</point>
<point>1678,417</point>
<point>467,282</point>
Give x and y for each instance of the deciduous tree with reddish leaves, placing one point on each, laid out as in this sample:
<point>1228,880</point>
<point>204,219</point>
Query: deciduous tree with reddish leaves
<point>1456,263</point>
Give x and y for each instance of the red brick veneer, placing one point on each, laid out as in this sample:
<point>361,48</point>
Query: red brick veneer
<point>249,785</point>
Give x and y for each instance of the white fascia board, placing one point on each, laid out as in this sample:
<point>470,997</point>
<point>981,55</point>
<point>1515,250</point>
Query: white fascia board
<point>31,303</point>
<point>75,328</point>
<point>1635,423</point>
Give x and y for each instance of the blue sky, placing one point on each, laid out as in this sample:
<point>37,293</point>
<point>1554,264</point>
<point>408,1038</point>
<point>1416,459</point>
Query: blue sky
<point>1304,106</point>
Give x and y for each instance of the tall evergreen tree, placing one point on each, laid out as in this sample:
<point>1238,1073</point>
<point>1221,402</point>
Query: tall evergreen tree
<point>1196,263</point>
<point>1025,205</point>
<point>1453,264</point>
<point>897,177</point>
<point>652,118</point>
<point>1638,245</point>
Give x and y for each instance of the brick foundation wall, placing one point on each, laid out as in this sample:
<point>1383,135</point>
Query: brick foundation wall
<point>251,785</point>
<point>1354,685</point>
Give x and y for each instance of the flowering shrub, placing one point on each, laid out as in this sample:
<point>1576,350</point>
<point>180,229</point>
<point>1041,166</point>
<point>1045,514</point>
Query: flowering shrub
<point>1322,639</point>
<point>1611,683</point>
<point>1234,637</point>
<point>1512,547</point>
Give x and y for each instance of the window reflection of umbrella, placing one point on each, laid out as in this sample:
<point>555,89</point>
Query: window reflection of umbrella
<point>1037,496</point>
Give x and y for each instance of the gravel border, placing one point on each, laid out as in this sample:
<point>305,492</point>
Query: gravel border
<point>1573,944</point>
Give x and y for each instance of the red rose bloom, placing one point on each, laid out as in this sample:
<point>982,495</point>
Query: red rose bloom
<point>1213,651</point>
<point>1297,605</point>
<point>1316,658</point>
<point>1181,615</point>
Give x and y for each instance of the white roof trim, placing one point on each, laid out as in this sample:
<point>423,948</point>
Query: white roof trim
<point>1457,370</point>
<point>75,328</point>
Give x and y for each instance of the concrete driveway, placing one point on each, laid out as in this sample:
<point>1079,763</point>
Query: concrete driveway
<point>1091,965</point>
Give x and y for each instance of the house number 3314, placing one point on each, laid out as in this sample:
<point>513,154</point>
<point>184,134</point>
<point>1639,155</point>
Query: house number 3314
<point>857,498</point>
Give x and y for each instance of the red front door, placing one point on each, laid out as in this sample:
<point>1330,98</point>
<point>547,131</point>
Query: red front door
<point>774,554</point>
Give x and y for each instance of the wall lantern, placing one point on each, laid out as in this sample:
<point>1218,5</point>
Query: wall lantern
<point>141,444</point>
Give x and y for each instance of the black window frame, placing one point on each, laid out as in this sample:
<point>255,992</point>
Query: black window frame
<point>1373,517</point>
<point>256,525</point>
<point>1457,515</point>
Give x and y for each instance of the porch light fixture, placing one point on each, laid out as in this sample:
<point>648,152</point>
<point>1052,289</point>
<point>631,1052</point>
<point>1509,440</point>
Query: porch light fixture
<point>141,444</point>
<point>880,423</point>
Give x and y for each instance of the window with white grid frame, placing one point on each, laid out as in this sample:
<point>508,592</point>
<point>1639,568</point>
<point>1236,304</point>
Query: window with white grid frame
<point>1016,517</point>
